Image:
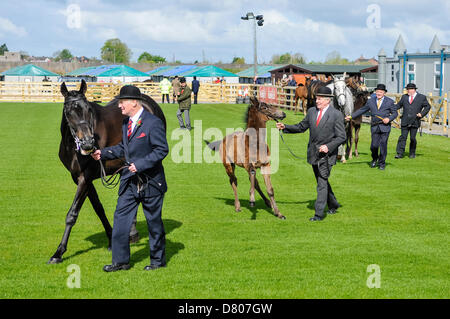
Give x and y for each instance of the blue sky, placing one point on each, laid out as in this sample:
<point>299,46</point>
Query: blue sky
<point>188,29</point>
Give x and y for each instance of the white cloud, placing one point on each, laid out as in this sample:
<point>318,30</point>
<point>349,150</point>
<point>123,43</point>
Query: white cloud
<point>7,27</point>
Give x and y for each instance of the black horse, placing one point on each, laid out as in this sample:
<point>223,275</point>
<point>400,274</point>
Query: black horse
<point>86,126</point>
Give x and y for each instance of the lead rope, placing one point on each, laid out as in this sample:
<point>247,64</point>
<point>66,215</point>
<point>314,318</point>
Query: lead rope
<point>282,138</point>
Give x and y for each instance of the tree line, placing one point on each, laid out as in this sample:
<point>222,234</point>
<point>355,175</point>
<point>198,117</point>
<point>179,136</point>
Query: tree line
<point>116,51</point>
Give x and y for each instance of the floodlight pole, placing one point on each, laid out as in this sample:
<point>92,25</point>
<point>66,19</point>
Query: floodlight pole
<point>255,57</point>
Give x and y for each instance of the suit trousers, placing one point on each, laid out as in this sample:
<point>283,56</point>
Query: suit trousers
<point>127,206</point>
<point>401,144</point>
<point>195,97</point>
<point>379,142</point>
<point>186,117</point>
<point>325,195</point>
<point>167,98</point>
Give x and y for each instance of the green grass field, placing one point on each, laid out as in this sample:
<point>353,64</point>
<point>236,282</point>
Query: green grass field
<point>397,219</point>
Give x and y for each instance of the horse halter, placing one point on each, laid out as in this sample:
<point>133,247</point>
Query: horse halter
<point>77,141</point>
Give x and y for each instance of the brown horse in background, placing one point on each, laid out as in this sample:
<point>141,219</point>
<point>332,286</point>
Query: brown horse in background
<point>355,85</point>
<point>355,123</point>
<point>312,87</point>
<point>301,93</point>
<point>249,150</point>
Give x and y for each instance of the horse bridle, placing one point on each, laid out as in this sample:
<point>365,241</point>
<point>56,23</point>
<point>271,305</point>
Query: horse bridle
<point>72,131</point>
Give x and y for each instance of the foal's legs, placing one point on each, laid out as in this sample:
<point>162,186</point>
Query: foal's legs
<point>229,168</point>
<point>252,176</point>
<point>357,128</point>
<point>271,196</point>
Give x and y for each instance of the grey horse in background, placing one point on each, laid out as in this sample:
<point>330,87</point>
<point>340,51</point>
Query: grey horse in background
<point>344,102</point>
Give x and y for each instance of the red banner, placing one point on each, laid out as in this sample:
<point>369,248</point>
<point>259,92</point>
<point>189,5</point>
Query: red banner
<point>268,94</point>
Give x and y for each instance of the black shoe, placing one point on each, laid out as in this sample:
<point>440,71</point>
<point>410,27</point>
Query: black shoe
<point>382,167</point>
<point>316,218</point>
<point>333,211</point>
<point>153,267</point>
<point>399,156</point>
<point>116,267</point>
<point>412,155</point>
<point>373,164</point>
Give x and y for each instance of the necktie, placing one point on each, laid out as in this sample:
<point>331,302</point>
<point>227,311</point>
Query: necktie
<point>318,119</point>
<point>130,122</point>
<point>410,99</point>
<point>378,103</point>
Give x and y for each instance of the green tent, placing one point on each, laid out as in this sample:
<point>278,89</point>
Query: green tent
<point>28,70</point>
<point>123,70</point>
<point>81,71</point>
<point>262,70</point>
<point>208,71</point>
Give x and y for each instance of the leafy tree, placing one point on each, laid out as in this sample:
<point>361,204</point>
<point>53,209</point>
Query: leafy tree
<point>287,58</point>
<point>3,49</point>
<point>116,51</point>
<point>238,60</point>
<point>146,57</point>
<point>334,57</point>
<point>62,55</point>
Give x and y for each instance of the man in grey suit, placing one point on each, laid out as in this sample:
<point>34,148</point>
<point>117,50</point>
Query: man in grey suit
<point>326,133</point>
<point>415,107</point>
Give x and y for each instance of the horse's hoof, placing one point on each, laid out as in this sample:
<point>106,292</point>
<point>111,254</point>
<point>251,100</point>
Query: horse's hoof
<point>238,210</point>
<point>252,204</point>
<point>54,260</point>
<point>134,239</point>
<point>281,217</point>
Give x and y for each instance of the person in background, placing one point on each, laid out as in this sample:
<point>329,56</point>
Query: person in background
<point>195,88</point>
<point>383,112</point>
<point>175,88</point>
<point>415,107</point>
<point>165,87</point>
<point>184,105</point>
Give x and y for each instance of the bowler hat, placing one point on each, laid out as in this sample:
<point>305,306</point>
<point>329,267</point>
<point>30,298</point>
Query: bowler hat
<point>381,87</point>
<point>411,86</point>
<point>324,91</point>
<point>129,92</point>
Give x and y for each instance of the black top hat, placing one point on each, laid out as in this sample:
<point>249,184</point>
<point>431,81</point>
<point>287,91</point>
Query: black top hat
<point>381,87</point>
<point>129,92</point>
<point>324,91</point>
<point>411,86</point>
<point>183,80</point>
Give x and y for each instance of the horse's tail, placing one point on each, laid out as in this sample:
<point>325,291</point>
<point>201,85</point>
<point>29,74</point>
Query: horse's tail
<point>213,145</point>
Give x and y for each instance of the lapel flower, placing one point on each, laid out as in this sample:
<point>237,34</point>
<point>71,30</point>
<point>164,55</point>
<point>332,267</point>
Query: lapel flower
<point>139,122</point>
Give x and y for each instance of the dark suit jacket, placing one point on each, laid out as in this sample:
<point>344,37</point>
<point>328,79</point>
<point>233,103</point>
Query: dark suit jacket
<point>330,132</point>
<point>146,148</point>
<point>387,109</point>
<point>195,86</point>
<point>419,105</point>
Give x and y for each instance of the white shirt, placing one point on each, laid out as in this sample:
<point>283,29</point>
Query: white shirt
<point>414,96</point>
<point>135,118</point>
<point>323,111</point>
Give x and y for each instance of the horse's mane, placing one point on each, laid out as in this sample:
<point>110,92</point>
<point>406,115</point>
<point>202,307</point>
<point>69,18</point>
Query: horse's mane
<point>246,114</point>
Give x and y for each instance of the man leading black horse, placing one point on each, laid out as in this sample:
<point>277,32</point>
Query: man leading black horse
<point>144,146</point>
